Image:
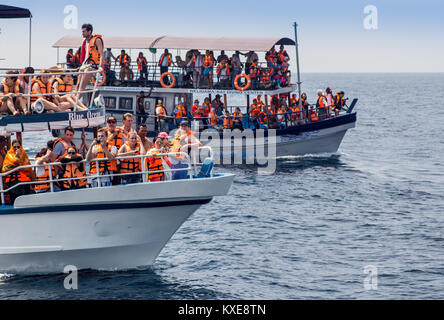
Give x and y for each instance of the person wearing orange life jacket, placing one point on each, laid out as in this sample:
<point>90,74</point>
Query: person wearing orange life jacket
<point>91,56</point>
<point>124,61</point>
<point>196,110</point>
<point>73,170</point>
<point>162,123</point>
<point>40,86</point>
<point>70,59</point>
<point>313,114</point>
<point>155,163</point>
<point>100,149</point>
<point>115,137</point>
<point>339,102</point>
<point>42,175</point>
<point>17,157</point>
<point>254,74</point>
<point>11,94</point>
<point>260,104</point>
<point>270,56</point>
<point>208,64</point>
<point>282,56</point>
<point>61,145</point>
<point>133,147</point>
<point>228,121</point>
<point>142,66</point>
<point>293,100</point>
<point>213,118</point>
<point>322,105</point>
<point>180,114</point>
<point>237,119</point>
<point>63,85</point>
<point>223,72</point>
<point>165,61</point>
<point>266,81</point>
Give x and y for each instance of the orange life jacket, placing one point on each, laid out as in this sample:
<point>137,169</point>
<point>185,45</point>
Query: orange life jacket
<point>265,76</point>
<point>208,61</point>
<point>103,165</point>
<point>206,108</point>
<point>271,55</point>
<point>155,165</point>
<point>263,119</point>
<point>45,177</point>
<point>93,51</point>
<point>70,59</point>
<point>198,111</point>
<point>124,60</point>
<point>6,88</point>
<point>16,176</point>
<point>44,88</point>
<point>313,115</point>
<point>213,118</point>
<point>63,87</point>
<point>131,165</point>
<point>72,171</point>
<point>223,65</point>
<point>281,56</point>
<point>141,62</point>
<point>228,122</point>
<point>66,146</point>
<point>237,116</point>
<point>162,112</point>
<point>280,116</point>
<point>254,70</point>
<point>293,102</point>
<point>181,112</point>
<point>169,61</point>
<point>338,101</point>
<point>320,103</point>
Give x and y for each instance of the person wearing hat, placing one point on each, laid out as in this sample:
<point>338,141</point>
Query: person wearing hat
<point>218,105</point>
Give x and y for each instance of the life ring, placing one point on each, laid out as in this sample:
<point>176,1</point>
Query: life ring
<point>102,76</point>
<point>236,82</point>
<point>172,84</point>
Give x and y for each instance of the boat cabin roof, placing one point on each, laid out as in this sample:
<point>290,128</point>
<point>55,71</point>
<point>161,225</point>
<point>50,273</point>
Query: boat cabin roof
<point>187,43</point>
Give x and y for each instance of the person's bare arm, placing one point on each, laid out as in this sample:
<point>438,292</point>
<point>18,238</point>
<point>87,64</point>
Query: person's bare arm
<point>100,49</point>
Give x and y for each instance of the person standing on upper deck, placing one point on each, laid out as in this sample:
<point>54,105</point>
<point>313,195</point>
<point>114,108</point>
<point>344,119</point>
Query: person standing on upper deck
<point>142,66</point>
<point>251,56</point>
<point>222,57</point>
<point>70,59</point>
<point>197,72</point>
<point>91,56</point>
<point>237,66</point>
<point>208,64</point>
<point>166,60</point>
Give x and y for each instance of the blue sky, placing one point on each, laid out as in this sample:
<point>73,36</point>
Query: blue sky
<point>332,38</point>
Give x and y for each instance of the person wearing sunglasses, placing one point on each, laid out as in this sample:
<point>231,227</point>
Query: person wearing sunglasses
<point>17,157</point>
<point>115,134</point>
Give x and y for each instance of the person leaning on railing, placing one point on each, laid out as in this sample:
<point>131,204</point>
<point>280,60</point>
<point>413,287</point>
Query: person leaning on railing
<point>17,157</point>
<point>100,149</point>
<point>72,167</point>
<point>11,95</point>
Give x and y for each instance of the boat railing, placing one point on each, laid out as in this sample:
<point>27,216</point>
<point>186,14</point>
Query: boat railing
<point>182,157</point>
<point>54,73</point>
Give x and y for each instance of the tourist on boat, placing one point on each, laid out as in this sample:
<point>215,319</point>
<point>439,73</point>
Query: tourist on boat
<point>17,157</point>
<point>222,57</point>
<point>91,56</point>
<point>322,105</point>
<point>187,138</point>
<point>305,105</point>
<point>107,56</point>
<point>61,145</point>
<point>11,95</point>
<point>237,119</point>
<point>259,102</point>
<point>166,61</point>
<point>338,102</point>
<point>162,122</point>
<point>100,149</point>
<point>70,59</point>
<point>313,114</point>
<point>206,110</point>
<point>3,149</point>
<point>127,128</point>
<point>266,80</point>
<point>254,74</point>
<point>63,85</point>
<point>218,105</point>
<point>140,108</point>
<point>198,65</point>
<point>330,97</point>
<point>155,163</point>
<point>228,120</point>
<point>142,131</point>
<point>236,65</point>
<point>223,74</point>
<point>198,113</point>
<point>179,114</point>
<point>124,61</point>
<point>282,55</point>
<point>133,147</point>
<point>279,79</point>
<point>25,81</point>
<point>255,111</point>
<point>213,118</point>
<point>208,63</point>
<point>46,156</point>
<point>271,57</point>
<point>40,87</point>
<point>72,168</point>
<point>142,66</point>
<point>251,56</point>
<point>115,134</point>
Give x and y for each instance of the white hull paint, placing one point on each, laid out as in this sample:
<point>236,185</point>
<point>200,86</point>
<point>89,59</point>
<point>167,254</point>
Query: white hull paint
<point>104,228</point>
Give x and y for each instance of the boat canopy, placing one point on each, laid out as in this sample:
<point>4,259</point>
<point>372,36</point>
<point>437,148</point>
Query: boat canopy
<point>9,12</point>
<point>186,43</point>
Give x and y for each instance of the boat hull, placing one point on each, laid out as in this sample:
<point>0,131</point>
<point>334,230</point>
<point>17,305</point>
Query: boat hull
<point>120,233</point>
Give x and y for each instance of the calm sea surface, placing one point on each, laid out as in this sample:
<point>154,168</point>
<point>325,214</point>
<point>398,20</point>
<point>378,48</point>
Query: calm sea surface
<point>309,230</point>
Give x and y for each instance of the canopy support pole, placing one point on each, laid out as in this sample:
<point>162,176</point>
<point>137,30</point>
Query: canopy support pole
<point>30,37</point>
<point>297,61</point>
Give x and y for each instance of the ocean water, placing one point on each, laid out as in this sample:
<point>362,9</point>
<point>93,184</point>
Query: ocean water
<point>310,230</point>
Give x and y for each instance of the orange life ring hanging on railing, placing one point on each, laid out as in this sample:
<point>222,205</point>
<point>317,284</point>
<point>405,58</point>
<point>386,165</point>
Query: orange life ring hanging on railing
<point>236,82</point>
<point>173,82</point>
<point>103,76</point>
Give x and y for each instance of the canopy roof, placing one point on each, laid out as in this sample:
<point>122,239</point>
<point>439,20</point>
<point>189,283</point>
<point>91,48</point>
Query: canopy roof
<point>188,43</point>
<point>9,12</point>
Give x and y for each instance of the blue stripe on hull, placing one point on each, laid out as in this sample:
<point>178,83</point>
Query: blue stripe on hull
<point>101,207</point>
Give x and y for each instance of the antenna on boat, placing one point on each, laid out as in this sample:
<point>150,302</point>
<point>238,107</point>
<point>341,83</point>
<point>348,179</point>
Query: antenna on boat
<point>297,63</point>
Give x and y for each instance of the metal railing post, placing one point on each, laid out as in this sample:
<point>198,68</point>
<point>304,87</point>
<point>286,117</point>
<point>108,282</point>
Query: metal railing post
<point>1,190</point>
<point>50,179</point>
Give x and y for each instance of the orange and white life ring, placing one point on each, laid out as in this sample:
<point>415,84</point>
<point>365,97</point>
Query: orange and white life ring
<point>102,79</point>
<point>173,82</point>
<point>236,82</point>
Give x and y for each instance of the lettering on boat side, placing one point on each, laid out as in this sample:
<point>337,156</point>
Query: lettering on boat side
<point>224,309</point>
<point>78,116</point>
<point>71,280</point>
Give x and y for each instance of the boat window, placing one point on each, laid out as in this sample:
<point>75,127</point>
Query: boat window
<point>110,102</point>
<point>126,104</point>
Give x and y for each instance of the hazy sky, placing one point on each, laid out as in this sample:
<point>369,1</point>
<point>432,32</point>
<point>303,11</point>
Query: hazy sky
<point>332,37</point>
